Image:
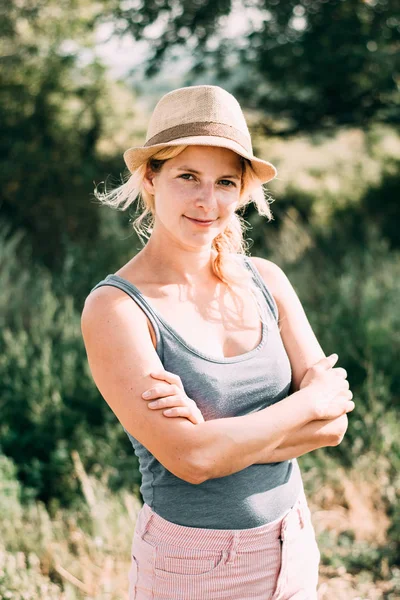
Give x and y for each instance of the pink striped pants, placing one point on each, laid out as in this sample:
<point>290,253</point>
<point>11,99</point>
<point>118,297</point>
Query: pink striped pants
<point>277,561</point>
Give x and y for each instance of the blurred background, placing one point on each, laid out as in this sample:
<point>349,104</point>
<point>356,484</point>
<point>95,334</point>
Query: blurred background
<point>319,83</point>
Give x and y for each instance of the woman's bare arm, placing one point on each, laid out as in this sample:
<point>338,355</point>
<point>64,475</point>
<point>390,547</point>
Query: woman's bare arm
<point>231,444</point>
<point>314,435</point>
<point>301,344</point>
<point>304,351</point>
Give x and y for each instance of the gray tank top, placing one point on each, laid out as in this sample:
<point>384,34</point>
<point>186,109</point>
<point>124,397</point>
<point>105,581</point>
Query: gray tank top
<point>221,387</point>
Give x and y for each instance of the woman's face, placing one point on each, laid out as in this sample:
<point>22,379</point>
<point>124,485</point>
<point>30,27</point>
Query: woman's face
<point>202,183</point>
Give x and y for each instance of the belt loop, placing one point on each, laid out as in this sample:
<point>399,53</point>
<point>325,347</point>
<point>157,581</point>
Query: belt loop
<point>284,524</point>
<point>233,547</point>
<point>147,516</point>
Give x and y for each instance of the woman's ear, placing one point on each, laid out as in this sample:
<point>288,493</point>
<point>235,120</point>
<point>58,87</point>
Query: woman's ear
<point>148,181</point>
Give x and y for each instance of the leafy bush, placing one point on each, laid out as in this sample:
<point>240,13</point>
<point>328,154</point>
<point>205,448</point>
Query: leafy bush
<point>48,401</point>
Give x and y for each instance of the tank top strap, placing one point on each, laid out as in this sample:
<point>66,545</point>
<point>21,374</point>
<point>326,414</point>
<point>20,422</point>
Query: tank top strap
<point>136,295</point>
<point>272,306</point>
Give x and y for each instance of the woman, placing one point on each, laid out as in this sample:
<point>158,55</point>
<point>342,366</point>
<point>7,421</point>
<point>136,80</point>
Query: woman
<point>221,343</point>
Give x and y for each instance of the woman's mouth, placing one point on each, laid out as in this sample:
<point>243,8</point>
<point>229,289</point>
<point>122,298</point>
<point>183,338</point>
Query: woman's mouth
<point>200,223</point>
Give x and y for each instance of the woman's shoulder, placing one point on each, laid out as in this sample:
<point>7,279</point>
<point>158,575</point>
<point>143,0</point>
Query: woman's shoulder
<point>274,278</point>
<point>105,290</point>
<point>264,265</point>
<point>108,296</point>
<point>271,272</point>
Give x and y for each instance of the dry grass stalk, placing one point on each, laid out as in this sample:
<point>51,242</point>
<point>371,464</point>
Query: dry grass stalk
<point>74,580</point>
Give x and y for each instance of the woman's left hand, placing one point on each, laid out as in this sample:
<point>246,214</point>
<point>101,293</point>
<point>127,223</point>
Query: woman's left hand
<point>170,395</point>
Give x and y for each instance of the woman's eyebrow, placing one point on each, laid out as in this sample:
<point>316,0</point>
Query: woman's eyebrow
<point>189,169</point>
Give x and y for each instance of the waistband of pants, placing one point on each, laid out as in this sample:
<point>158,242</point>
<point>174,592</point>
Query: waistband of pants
<point>152,527</point>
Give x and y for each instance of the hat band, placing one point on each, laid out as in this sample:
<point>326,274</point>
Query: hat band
<point>201,128</point>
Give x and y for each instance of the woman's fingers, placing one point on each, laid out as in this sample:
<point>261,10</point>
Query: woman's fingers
<point>167,376</point>
<point>169,396</point>
<point>177,406</point>
<point>167,402</point>
<point>161,390</point>
<point>340,371</point>
<point>184,411</point>
<point>176,411</point>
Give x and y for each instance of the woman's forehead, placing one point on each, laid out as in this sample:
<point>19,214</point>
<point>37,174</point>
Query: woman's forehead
<point>207,155</point>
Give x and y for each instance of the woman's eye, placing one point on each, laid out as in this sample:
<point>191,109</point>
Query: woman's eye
<point>225,182</point>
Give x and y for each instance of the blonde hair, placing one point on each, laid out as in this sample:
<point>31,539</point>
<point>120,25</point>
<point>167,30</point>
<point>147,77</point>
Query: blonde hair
<point>228,244</point>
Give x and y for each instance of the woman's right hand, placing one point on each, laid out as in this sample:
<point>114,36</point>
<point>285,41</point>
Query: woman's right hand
<point>328,389</point>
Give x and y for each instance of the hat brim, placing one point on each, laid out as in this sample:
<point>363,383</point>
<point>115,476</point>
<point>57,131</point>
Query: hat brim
<point>136,156</point>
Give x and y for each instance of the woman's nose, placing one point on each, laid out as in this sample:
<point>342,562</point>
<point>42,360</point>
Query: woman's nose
<point>206,196</point>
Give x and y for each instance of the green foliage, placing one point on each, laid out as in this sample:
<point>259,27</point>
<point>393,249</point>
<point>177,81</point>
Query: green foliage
<point>343,551</point>
<point>48,401</point>
<point>380,203</point>
<point>52,111</point>
<point>10,489</point>
<point>352,307</point>
<point>307,66</point>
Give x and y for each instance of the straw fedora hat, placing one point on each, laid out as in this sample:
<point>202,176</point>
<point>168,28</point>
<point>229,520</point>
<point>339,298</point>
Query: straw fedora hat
<point>204,115</point>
